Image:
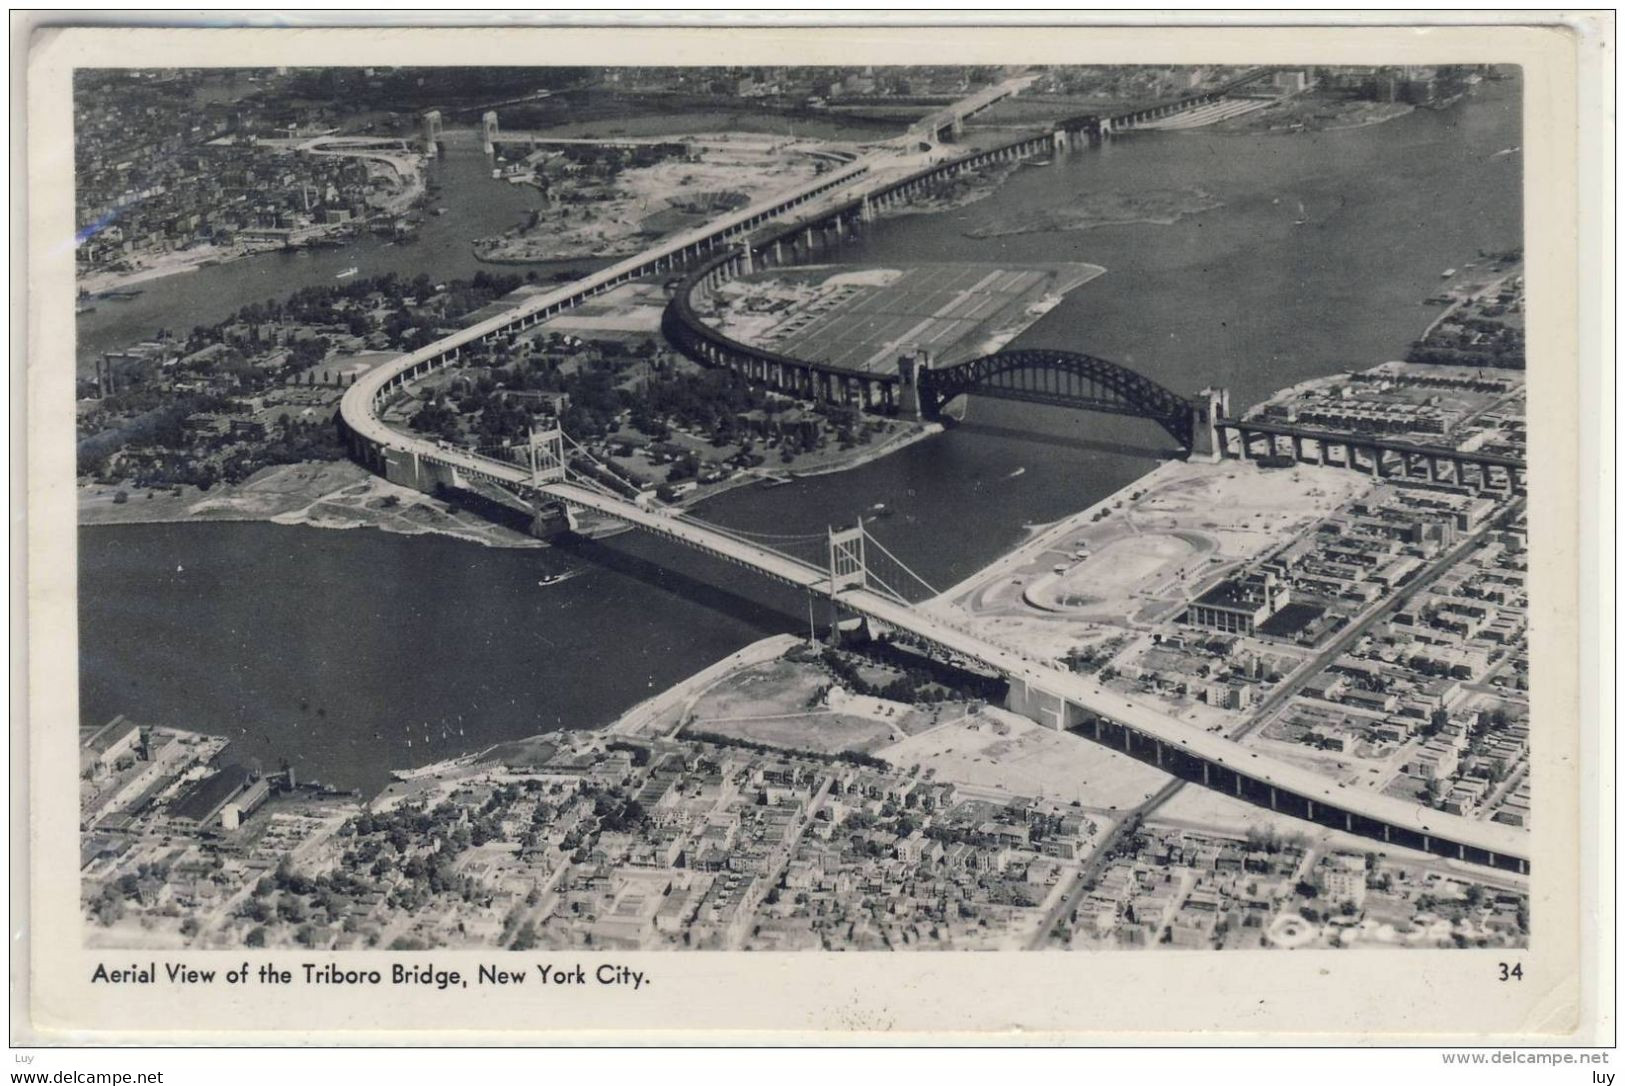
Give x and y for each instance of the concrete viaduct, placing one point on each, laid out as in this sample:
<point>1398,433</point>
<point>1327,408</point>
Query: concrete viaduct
<point>1383,457</point>
<point>1038,689</point>
<point>841,201</point>
<point>1096,127</point>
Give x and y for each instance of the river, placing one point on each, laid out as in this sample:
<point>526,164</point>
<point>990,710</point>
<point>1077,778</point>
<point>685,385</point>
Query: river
<point>333,649</point>
<point>476,206</point>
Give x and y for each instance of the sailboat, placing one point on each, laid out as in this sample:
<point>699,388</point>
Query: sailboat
<point>1303,216</point>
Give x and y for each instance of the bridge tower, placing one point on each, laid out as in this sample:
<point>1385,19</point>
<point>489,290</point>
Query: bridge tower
<point>1207,408</point>
<point>431,132</point>
<point>544,456</point>
<point>848,568</point>
<point>848,562</point>
<point>1061,140</point>
<point>747,259</point>
<point>488,126</point>
<point>910,367</point>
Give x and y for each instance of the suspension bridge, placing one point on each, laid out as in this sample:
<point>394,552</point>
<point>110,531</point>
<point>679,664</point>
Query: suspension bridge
<point>858,576</point>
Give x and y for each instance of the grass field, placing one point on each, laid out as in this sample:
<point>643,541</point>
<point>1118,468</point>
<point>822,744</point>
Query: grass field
<point>772,703</point>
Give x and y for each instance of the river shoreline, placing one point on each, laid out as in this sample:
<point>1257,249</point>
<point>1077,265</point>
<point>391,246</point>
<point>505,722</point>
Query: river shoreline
<point>660,625</point>
<point>647,719</point>
<point>343,496</point>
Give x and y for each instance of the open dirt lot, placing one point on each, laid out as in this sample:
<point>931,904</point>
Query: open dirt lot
<point>998,751</point>
<point>648,202</point>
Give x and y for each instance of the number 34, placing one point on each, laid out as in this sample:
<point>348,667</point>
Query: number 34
<point>1511,972</point>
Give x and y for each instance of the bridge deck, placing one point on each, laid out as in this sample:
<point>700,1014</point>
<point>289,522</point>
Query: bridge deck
<point>359,412</point>
<point>1073,688</point>
<point>1374,441</point>
<point>673,526</point>
<point>1063,684</point>
<point>359,399</point>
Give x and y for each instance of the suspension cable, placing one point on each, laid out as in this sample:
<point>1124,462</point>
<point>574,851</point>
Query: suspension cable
<point>900,564</point>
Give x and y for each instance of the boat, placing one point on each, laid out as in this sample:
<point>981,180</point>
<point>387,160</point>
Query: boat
<point>557,578</point>
<point>441,210</point>
<point>1447,273</point>
<point>346,273</point>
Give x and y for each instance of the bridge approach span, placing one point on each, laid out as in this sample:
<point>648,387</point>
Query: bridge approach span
<point>1225,765</point>
<point>1050,693</point>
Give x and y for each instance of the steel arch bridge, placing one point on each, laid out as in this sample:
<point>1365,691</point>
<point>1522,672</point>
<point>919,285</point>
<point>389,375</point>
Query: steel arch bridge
<point>1062,378</point>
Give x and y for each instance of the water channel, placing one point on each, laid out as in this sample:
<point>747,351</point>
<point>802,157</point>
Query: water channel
<point>333,649</point>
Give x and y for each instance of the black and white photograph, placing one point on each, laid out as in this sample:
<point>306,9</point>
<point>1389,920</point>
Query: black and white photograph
<point>571,511</point>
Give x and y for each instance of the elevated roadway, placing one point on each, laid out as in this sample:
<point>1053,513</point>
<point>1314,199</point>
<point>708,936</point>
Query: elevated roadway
<point>359,408</point>
<point>1038,687</point>
<point>952,119</point>
<point>1265,427</point>
<point>1230,765</point>
<point>1055,695</point>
